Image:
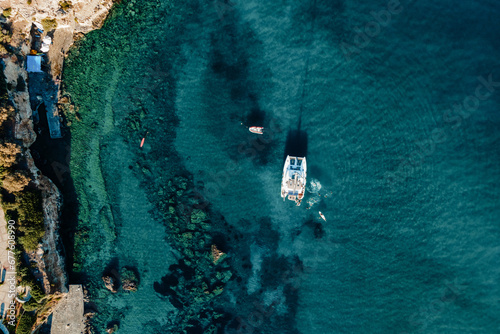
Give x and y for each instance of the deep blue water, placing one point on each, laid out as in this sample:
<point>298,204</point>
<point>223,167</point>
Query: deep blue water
<point>412,227</point>
<point>400,127</point>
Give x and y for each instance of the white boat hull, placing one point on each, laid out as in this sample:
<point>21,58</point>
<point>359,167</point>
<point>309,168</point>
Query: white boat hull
<point>293,182</point>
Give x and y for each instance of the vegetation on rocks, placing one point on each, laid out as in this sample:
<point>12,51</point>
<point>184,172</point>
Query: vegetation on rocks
<point>5,38</point>
<point>110,283</point>
<point>26,323</point>
<point>7,12</point>
<point>49,24</point>
<point>31,305</point>
<point>9,153</point>
<point>129,279</point>
<point>65,5</point>
<point>27,211</point>
<point>16,181</point>
<point>34,308</point>
<point>21,202</point>
<point>6,112</point>
<point>30,219</point>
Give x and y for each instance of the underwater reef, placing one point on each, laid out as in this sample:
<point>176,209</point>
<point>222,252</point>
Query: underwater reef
<point>120,88</point>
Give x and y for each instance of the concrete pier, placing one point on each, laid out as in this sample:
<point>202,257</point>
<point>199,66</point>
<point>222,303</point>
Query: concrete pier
<point>68,315</point>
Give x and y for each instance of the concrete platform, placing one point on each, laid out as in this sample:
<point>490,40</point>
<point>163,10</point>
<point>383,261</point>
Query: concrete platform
<point>68,315</point>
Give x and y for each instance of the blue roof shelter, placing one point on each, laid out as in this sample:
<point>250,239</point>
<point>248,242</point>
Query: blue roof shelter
<point>34,64</point>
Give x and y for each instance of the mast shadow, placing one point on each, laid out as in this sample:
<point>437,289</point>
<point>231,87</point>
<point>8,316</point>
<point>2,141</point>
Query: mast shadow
<point>296,144</point>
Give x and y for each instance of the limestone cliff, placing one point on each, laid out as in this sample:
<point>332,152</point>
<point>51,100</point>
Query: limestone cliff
<point>63,20</point>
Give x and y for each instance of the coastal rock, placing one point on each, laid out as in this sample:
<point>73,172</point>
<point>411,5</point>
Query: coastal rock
<point>129,285</point>
<point>48,257</point>
<point>86,297</point>
<point>88,323</point>
<point>110,283</point>
<point>53,259</point>
<point>112,327</point>
<point>67,20</point>
<point>129,280</point>
<point>217,255</point>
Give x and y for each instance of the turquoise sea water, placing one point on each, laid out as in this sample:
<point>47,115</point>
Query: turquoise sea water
<point>400,127</point>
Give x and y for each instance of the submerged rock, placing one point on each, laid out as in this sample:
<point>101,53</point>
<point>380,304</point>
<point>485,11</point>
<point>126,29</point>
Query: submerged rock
<point>129,285</point>
<point>112,327</point>
<point>217,255</point>
<point>110,283</point>
<point>129,279</point>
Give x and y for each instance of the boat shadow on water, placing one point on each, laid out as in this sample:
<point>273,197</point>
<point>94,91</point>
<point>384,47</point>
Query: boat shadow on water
<point>255,117</point>
<point>296,144</point>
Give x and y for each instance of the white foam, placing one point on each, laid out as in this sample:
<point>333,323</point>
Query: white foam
<point>314,186</point>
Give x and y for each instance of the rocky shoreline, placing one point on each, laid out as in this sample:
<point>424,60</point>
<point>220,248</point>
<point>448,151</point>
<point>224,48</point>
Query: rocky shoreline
<point>69,20</point>
<point>139,207</point>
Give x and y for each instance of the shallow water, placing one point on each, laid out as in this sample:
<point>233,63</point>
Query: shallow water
<point>409,190</point>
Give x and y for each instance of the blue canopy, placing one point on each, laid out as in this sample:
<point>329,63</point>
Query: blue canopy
<point>34,64</point>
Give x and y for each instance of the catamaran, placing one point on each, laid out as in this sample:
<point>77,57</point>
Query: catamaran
<point>293,183</point>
